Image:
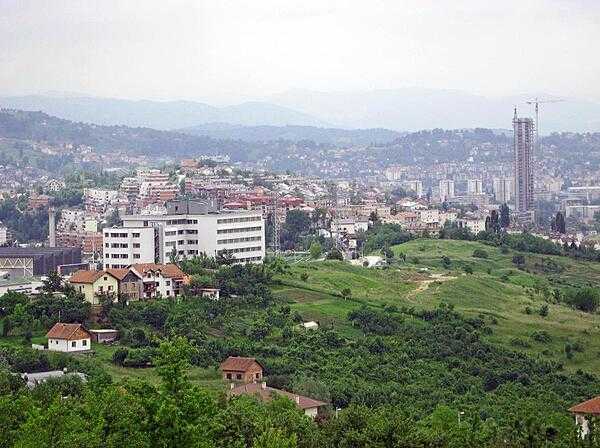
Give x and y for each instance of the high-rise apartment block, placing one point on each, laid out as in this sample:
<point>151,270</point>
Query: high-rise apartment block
<point>523,158</point>
<point>474,186</point>
<point>446,188</point>
<point>503,189</point>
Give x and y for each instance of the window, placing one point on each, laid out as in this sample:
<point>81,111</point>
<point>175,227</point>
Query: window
<point>136,245</point>
<point>238,376</point>
<point>135,235</point>
<point>168,283</point>
<point>136,255</point>
<point>105,278</point>
<point>74,344</point>
<point>110,288</point>
<point>229,376</point>
<point>106,245</point>
<point>257,375</point>
<point>84,343</point>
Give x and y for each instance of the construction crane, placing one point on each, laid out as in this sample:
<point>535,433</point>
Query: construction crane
<point>536,101</point>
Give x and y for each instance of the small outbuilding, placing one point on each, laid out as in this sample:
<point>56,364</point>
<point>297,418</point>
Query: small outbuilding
<point>105,335</point>
<point>583,411</point>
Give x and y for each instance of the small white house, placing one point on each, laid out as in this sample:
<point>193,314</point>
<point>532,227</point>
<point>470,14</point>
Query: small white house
<point>311,325</point>
<point>69,338</point>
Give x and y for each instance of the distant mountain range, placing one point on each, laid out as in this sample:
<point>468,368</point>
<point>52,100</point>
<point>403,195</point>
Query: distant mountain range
<point>374,113</point>
<point>333,136</point>
<point>413,109</point>
<point>163,115</point>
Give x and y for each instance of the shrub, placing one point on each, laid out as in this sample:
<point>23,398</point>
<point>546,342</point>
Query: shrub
<point>304,276</point>
<point>584,299</point>
<point>518,342</point>
<point>519,260</point>
<point>468,269</point>
<point>504,250</point>
<point>543,310</point>
<point>480,253</point>
<point>541,336</point>
<point>335,254</point>
<point>119,356</point>
<point>346,293</point>
<point>446,262</point>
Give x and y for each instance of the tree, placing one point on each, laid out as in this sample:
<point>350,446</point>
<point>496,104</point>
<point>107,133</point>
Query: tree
<point>315,250</point>
<point>346,293</point>
<point>52,283</point>
<point>504,216</point>
<point>559,223</point>
<point>335,254</point>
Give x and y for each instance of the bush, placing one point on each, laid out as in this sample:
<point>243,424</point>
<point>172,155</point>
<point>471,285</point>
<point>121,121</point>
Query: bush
<point>541,336</point>
<point>304,276</point>
<point>468,269</point>
<point>119,356</point>
<point>584,299</point>
<point>335,254</point>
<point>446,263</point>
<point>480,253</point>
<point>543,310</point>
<point>519,260</point>
<point>518,342</point>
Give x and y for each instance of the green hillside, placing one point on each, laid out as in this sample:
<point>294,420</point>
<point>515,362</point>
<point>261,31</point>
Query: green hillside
<point>497,290</point>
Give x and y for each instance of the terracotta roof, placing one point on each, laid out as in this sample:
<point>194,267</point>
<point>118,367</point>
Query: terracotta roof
<point>167,270</point>
<point>65,331</point>
<point>120,274</point>
<point>265,393</point>
<point>238,364</point>
<point>587,407</point>
<point>86,276</point>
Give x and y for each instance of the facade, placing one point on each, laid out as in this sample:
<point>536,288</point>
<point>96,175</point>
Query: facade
<point>474,186</point>
<point>160,280</point>
<point>188,229</point>
<point>446,189</point>
<point>104,336</point>
<point>69,338</point>
<point>503,190</point>
<point>93,284</point>
<point>130,283</point>
<point>246,370</point>
<point>125,246</point>
<point>416,186</point>
<point>475,225</point>
<point>36,261</point>
<point>523,157</point>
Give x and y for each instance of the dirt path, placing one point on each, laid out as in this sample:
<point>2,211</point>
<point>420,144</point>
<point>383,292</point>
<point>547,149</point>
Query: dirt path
<point>423,285</point>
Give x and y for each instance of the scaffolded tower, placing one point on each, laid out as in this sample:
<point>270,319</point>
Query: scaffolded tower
<point>523,158</point>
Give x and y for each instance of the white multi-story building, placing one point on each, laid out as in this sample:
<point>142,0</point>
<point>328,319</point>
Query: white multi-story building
<point>446,189</point>
<point>124,246</point>
<point>188,229</point>
<point>416,186</point>
<point>503,189</point>
<point>474,186</point>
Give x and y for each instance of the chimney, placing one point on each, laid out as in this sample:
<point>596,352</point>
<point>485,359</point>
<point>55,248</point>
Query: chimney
<point>52,227</point>
<point>263,385</point>
<point>297,399</point>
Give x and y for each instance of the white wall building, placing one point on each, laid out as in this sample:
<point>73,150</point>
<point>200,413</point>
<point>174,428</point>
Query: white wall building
<point>474,186</point>
<point>503,189</point>
<point>416,186</point>
<point>446,188</point>
<point>188,229</point>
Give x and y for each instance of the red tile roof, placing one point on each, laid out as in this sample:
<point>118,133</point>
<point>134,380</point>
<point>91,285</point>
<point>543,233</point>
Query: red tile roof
<point>238,364</point>
<point>169,270</point>
<point>86,276</point>
<point>120,274</point>
<point>587,407</point>
<point>265,393</point>
<point>67,331</point>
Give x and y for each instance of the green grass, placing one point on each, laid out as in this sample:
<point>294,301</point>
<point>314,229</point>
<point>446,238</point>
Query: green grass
<point>496,291</point>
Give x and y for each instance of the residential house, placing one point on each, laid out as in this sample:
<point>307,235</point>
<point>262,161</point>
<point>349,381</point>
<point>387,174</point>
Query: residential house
<point>160,280</point>
<point>245,370</point>
<point>130,283</point>
<point>93,284</point>
<point>583,411</point>
<point>265,393</point>
<point>34,379</point>
<point>69,338</point>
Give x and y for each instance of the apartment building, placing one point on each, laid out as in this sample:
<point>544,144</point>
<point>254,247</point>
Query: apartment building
<point>188,229</point>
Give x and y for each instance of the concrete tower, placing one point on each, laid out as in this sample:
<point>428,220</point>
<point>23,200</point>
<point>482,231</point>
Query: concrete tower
<point>523,154</point>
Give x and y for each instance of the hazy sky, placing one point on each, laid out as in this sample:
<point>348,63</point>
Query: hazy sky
<point>232,50</point>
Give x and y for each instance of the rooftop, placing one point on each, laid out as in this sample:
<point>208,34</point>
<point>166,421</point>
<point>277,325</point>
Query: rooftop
<point>266,393</point>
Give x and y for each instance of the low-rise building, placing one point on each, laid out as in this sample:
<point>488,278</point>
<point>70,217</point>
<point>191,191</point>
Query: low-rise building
<point>246,370</point>
<point>160,280</point>
<point>94,284</point>
<point>69,338</point>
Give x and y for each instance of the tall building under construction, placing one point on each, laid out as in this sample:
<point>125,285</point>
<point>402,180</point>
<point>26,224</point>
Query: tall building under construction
<point>523,153</point>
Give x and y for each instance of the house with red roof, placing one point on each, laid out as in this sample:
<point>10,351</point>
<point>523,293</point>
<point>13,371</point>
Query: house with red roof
<point>165,280</point>
<point>583,411</point>
<point>246,370</point>
<point>69,338</point>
